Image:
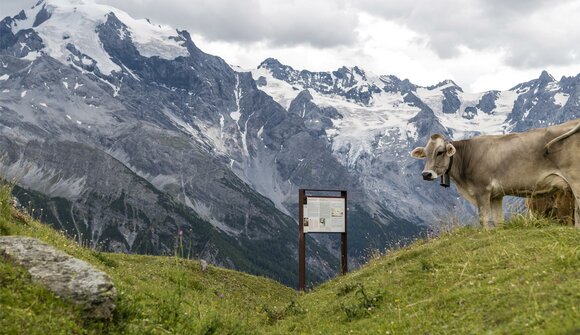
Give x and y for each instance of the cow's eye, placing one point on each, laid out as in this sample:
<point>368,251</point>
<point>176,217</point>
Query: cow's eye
<point>440,153</point>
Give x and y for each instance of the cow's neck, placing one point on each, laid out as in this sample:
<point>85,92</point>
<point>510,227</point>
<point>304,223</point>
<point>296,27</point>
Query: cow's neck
<point>456,169</point>
<point>445,182</point>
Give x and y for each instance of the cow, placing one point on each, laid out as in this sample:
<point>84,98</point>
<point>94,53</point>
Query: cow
<point>558,206</point>
<point>487,168</point>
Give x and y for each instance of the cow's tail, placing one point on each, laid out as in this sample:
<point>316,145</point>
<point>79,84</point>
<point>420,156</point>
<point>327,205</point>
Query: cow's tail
<point>561,137</point>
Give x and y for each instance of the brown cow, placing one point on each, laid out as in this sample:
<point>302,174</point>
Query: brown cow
<point>558,206</point>
<point>486,168</point>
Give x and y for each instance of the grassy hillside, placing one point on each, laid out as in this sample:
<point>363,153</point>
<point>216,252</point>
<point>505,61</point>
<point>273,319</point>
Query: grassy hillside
<point>156,295</point>
<point>523,278</point>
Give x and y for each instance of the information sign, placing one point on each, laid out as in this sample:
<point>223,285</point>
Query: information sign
<point>324,215</point>
<point>319,212</point>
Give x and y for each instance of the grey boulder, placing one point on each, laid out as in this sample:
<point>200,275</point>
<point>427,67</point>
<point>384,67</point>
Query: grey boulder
<point>68,277</point>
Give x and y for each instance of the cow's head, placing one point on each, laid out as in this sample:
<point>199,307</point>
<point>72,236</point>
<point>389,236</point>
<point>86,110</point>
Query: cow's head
<point>437,154</point>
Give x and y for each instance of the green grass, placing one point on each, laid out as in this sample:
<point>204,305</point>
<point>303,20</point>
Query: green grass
<point>516,279</point>
<point>521,278</point>
<point>32,309</point>
<point>156,295</point>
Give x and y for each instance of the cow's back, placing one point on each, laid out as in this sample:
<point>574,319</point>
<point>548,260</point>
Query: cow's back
<point>508,163</point>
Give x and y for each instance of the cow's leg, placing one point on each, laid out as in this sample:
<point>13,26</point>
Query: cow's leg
<point>497,210</point>
<point>577,215</point>
<point>576,195</point>
<point>484,209</point>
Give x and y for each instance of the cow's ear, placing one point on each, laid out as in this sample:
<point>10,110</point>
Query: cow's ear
<point>418,153</point>
<point>450,149</point>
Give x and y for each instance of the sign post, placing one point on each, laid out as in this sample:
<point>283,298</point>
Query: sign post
<point>321,214</point>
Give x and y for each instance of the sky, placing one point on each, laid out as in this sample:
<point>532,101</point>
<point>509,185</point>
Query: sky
<point>479,44</point>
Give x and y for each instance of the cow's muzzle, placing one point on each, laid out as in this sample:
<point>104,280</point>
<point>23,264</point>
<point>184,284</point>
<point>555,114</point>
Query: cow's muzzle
<point>427,175</point>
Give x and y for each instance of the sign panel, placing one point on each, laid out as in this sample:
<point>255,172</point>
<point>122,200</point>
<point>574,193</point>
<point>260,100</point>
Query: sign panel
<point>324,215</point>
<point>321,214</point>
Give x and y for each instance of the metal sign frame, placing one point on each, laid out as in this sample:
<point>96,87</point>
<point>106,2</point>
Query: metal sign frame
<point>302,199</point>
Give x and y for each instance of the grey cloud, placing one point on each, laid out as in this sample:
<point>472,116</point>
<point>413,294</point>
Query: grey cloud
<point>215,19</point>
<point>514,7</point>
<point>322,23</point>
<point>520,29</point>
<point>318,23</point>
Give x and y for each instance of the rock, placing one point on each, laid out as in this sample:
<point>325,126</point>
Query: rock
<point>203,264</point>
<point>66,276</point>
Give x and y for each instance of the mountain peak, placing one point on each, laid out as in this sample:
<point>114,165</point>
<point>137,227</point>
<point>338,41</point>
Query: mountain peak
<point>358,70</point>
<point>275,66</point>
<point>444,84</point>
<point>75,24</point>
<point>546,77</point>
<point>39,3</point>
<point>269,63</point>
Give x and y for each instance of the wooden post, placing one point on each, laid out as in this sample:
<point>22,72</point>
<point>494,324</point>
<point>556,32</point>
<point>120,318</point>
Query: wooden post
<point>343,238</point>
<point>301,242</point>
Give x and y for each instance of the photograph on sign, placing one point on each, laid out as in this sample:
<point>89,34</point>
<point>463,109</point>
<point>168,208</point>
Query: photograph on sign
<point>324,215</point>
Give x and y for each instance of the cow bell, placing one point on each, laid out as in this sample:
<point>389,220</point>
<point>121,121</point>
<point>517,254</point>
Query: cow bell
<point>445,182</point>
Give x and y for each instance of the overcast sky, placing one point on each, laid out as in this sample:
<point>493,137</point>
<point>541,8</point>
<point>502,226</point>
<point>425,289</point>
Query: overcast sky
<point>480,44</point>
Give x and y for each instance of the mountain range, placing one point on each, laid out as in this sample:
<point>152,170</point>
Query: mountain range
<point>126,135</point>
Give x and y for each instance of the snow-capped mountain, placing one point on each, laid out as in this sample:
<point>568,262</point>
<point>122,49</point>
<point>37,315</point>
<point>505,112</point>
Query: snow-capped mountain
<point>71,31</point>
<point>131,139</point>
<point>372,122</point>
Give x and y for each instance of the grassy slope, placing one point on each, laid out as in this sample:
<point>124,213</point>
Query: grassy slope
<point>31,309</point>
<point>156,295</point>
<point>511,280</point>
